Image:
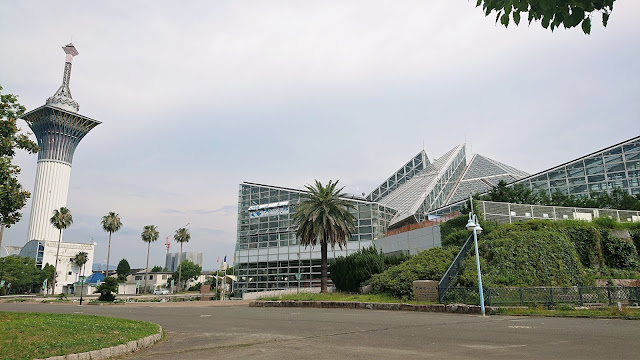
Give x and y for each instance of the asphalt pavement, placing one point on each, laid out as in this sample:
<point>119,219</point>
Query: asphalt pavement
<point>232,330</point>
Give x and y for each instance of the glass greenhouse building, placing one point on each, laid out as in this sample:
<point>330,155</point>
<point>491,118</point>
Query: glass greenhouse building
<point>268,256</point>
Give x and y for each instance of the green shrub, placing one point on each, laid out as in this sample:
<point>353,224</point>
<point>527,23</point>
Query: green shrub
<point>456,238</point>
<point>515,257</point>
<point>107,288</point>
<point>635,237</point>
<point>453,225</point>
<point>605,222</point>
<point>618,253</point>
<point>397,281</point>
<point>348,273</point>
<point>587,241</point>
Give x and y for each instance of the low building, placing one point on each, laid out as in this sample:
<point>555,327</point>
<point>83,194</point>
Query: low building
<point>68,273</point>
<point>155,280</point>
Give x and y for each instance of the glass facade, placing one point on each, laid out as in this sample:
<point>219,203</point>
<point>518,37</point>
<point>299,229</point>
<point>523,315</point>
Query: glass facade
<point>268,255</point>
<point>617,166</point>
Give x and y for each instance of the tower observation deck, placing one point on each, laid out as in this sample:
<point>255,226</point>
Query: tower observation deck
<point>58,129</point>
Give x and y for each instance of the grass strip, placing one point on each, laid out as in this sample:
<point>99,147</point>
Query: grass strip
<point>40,335</point>
<point>380,298</point>
<point>608,312</point>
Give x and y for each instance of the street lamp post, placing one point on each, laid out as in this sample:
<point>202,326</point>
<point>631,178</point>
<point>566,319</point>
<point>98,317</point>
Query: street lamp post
<point>473,225</point>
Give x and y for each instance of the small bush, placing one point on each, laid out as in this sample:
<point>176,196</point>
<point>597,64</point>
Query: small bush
<point>107,288</point>
<point>397,281</point>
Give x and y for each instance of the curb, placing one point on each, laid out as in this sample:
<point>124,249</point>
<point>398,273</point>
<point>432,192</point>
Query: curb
<point>117,350</point>
<point>442,308</point>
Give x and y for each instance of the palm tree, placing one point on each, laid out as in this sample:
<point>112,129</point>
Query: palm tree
<point>149,234</point>
<point>61,220</point>
<point>182,236</point>
<point>110,223</point>
<point>322,215</point>
<point>80,259</point>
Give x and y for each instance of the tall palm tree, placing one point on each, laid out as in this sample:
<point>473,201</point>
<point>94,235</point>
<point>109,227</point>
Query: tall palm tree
<point>149,234</point>
<point>61,220</point>
<point>182,236</point>
<point>80,259</point>
<point>110,223</point>
<point>324,216</point>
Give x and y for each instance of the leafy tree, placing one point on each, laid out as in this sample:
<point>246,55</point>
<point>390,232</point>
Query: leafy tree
<point>110,223</point>
<point>323,216</point>
<point>181,236</point>
<point>107,289</point>
<point>12,196</point>
<point>188,270</point>
<point>157,268</point>
<point>49,272</point>
<point>61,220</point>
<point>348,273</point>
<point>551,13</point>
<point>22,273</point>
<point>149,235</point>
<point>123,270</point>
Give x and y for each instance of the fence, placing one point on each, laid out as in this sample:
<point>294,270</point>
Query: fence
<point>580,295</point>
<point>454,268</point>
<point>510,212</point>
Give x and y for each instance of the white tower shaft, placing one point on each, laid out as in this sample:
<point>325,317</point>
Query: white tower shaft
<point>49,193</point>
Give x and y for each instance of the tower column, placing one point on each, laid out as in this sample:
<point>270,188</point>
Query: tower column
<point>49,193</point>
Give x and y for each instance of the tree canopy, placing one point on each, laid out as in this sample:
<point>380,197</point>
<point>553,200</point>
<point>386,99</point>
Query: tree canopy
<point>618,199</point>
<point>123,270</point>
<point>550,13</point>
<point>190,271</point>
<point>22,274</point>
<point>12,196</point>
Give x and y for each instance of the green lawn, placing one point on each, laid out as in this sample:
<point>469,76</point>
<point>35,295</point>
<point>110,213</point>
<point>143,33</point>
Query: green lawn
<point>610,311</point>
<point>39,335</point>
<point>380,298</point>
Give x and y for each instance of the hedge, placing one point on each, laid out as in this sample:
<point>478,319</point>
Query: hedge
<point>397,281</point>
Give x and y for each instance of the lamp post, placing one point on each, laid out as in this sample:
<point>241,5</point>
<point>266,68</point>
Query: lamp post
<point>472,225</point>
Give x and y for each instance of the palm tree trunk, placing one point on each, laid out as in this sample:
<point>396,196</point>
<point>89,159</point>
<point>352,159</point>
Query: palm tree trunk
<point>180,267</point>
<point>323,267</point>
<point>55,268</point>
<point>146,270</point>
<point>1,234</point>
<point>108,254</point>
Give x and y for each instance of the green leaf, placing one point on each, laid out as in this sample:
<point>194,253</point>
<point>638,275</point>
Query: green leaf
<point>545,21</point>
<point>504,20</point>
<point>516,17</point>
<point>586,25</point>
<point>605,19</point>
<point>479,3</point>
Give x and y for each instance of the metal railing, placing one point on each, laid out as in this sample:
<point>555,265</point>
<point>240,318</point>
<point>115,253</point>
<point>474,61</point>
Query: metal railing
<point>522,296</point>
<point>454,268</point>
<point>502,212</point>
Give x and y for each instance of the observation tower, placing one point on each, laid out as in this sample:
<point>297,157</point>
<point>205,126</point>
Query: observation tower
<point>59,129</point>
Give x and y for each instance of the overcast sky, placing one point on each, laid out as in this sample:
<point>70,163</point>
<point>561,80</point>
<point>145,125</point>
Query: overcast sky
<point>196,97</point>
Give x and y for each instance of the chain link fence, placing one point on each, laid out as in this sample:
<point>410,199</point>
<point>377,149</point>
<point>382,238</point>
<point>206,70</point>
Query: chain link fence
<point>526,296</point>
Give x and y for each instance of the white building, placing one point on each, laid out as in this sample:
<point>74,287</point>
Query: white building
<point>44,252</point>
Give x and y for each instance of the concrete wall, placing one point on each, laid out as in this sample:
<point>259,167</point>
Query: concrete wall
<point>410,242</point>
